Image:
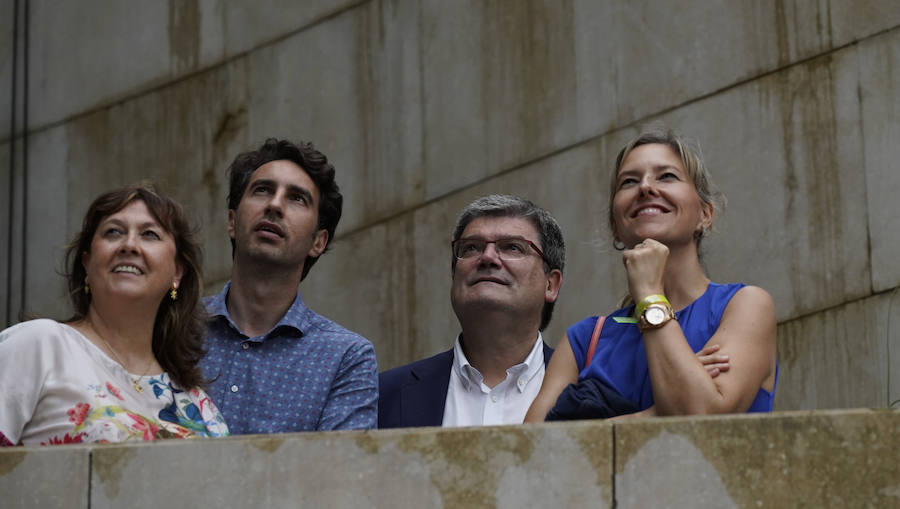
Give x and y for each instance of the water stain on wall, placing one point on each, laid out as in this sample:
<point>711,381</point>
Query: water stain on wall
<point>466,465</point>
<point>93,160</point>
<point>528,73</point>
<point>268,444</point>
<point>108,463</point>
<point>404,341</point>
<point>806,102</point>
<point>597,445</point>
<point>835,358</point>
<point>658,454</point>
<point>181,137</point>
<point>802,29</point>
<point>367,106</point>
<point>230,129</point>
<point>826,457</point>
<point>184,35</point>
<point>367,442</point>
<point>9,460</point>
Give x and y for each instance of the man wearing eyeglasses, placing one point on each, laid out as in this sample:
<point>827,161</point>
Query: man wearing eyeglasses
<point>507,262</point>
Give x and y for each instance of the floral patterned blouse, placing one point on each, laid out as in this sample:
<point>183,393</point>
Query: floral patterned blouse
<point>56,387</point>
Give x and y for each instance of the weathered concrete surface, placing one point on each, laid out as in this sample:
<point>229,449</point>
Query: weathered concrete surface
<point>797,459</point>
<point>11,228</point>
<point>492,467</point>
<point>879,64</point>
<point>46,226</point>
<point>248,25</point>
<point>351,86</point>
<point>182,137</point>
<point>506,83</point>
<point>423,106</point>
<point>91,53</point>
<point>4,231</point>
<point>45,477</point>
<point>841,357</point>
<point>821,459</point>
<point>94,53</point>
<point>158,137</point>
<point>790,169</point>
<point>122,51</point>
<point>6,67</point>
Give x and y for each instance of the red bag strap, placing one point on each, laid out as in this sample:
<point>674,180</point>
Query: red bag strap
<point>594,337</point>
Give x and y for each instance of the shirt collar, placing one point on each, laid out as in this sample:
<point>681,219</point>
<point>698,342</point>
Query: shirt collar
<point>522,373</point>
<point>296,317</point>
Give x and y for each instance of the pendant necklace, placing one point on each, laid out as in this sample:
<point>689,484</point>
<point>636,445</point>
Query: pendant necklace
<point>136,382</point>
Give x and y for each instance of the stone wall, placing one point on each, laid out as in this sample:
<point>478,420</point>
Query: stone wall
<point>797,459</point>
<point>423,105</point>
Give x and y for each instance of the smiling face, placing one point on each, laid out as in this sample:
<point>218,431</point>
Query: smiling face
<point>131,257</point>
<point>655,198</point>
<point>276,221</point>
<point>488,283</point>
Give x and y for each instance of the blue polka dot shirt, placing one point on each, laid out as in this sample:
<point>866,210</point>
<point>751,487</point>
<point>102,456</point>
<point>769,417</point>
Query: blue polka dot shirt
<point>306,374</point>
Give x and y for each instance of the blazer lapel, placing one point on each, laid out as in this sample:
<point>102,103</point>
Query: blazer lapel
<point>422,400</point>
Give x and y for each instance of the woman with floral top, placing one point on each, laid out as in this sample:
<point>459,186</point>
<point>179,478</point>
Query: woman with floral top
<point>124,367</point>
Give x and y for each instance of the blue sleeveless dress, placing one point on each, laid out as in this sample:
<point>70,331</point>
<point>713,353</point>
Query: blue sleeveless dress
<point>620,359</point>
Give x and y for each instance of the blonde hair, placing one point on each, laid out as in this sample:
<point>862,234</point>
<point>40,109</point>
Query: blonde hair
<point>690,158</point>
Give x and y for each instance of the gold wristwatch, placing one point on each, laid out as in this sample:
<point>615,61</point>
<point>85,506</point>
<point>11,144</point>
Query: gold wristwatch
<point>653,312</point>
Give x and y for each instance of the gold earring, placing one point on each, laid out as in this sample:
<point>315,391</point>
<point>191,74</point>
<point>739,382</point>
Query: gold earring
<point>87,288</point>
<point>173,294</point>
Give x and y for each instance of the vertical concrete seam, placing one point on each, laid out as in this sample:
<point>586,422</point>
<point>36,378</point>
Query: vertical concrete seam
<point>862,139</point>
<point>12,161</point>
<point>613,469</point>
<point>887,338</point>
<point>90,487</point>
<point>25,51</point>
<point>423,130</point>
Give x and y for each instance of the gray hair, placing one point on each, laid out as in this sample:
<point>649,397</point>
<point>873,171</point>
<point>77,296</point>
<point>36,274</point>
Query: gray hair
<point>550,234</point>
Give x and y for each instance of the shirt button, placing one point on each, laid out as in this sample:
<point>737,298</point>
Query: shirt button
<point>494,398</point>
<point>234,388</point>
<point>245,345</point>
<point>521,383</point>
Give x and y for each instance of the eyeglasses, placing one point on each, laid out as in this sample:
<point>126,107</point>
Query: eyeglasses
<point>508,249</point>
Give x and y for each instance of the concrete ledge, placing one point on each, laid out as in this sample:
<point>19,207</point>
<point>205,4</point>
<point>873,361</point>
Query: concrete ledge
<point>840,458</point>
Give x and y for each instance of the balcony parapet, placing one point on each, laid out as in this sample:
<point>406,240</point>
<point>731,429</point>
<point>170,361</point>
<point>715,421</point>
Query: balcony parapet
<point>830,458</point>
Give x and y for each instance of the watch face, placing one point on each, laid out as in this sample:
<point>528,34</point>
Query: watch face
<point>655,315</point>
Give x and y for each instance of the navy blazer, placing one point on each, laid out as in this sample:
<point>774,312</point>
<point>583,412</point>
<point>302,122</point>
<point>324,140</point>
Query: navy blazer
<point>414,394</point>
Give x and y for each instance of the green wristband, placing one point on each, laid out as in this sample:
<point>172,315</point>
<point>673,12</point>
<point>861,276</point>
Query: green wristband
<point>641,306</point>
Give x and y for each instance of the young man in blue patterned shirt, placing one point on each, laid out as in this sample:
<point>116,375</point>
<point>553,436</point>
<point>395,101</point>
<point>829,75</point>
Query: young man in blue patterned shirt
<point>276,365</point>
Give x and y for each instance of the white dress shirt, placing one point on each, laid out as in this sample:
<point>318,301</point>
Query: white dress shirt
<point>472,403</point>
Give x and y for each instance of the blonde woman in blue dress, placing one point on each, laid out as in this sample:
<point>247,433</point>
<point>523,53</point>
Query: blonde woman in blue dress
<point>124,367</point>
<point>682,344</point>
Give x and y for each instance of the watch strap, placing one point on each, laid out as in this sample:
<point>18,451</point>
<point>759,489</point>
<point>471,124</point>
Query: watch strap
<point>641,306</point>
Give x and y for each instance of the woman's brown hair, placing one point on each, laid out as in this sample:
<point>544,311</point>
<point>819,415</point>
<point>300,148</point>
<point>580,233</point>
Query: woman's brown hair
<point>180,324</point>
